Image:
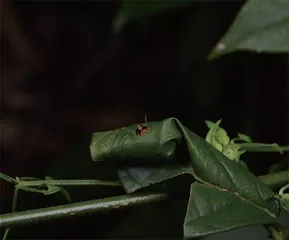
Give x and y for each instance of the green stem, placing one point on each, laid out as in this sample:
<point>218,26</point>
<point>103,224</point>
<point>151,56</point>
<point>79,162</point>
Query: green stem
<point>14,205</point>
<point>69,183</point>
<point>83,208</point>
<point>262,147</point>
<point>80,208</point>
<point>281,192</point>
<point>276,232</point>
<point>8,179</point>
<point>276,180</point>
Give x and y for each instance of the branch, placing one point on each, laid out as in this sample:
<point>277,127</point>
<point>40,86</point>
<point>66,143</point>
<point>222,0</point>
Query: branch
<point>76,209</point>
<point>81,182</point>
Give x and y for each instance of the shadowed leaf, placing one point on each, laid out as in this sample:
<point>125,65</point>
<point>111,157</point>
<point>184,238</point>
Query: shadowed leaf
<point>260,26</point>
<point>211,211</point>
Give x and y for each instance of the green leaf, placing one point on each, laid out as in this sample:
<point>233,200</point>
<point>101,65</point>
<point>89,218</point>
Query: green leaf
<point>217,135</point>
<point>244,138</point>
<point>30,189</point>
<point>51,189</point>
<point>158,145</point>
<point>243,191</point>
<point>232,152</point>
<point>213,133</point>
<point>210,124</point>
<point>219,138</point>
<point>160,142</point>
<point>211,210</point>
<point>135,10</point>
<point>54,189</point>
<point>66,194</point>
<point>260,26</point>
<point>214,168</point>
<point>222,136</point>
<point>134,178</point>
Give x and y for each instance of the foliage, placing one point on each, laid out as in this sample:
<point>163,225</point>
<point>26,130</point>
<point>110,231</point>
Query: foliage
<point>224,190</point>
<point>223,195</point>
<point>260,27</point>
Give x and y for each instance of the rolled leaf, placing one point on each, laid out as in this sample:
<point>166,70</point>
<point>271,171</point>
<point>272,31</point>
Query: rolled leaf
<point>160,143</point>
<point>157,145</point>
<point>226,182</point>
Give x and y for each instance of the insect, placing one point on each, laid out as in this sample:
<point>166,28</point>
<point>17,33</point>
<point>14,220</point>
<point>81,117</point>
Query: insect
<point>141,129</point>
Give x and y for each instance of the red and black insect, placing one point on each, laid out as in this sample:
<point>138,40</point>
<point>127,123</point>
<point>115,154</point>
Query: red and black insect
<point>141,129</point>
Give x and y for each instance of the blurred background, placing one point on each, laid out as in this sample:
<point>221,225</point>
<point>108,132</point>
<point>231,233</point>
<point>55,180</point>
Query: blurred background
<point>68,70</point>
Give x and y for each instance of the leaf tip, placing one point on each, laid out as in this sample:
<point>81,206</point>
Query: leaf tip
<point>118,24</point>
<point>217,51</point>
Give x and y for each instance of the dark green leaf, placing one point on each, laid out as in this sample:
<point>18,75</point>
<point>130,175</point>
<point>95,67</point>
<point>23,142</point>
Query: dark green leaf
<point>233,184</point>
<point>213,168</point>
<point>211,210</point>
<point>66,194</point>
<point>51,189</point>
<point>134,178</point>
<point>54,189</point>
<point>260,26</point>
<point>160,142</point>
<point>157,145</point>
<point>244,137</point>
<point>135,10</point>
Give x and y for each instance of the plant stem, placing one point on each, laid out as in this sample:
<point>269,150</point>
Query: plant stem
<point>69,183</point>
<point>276,232</point>
<point>8,179</point>
<point>273,180</point>
<point>81,208</point>
<point>263,147</point>
<point>284,188</point>
<point>276,180</point>
<point>14,205</point>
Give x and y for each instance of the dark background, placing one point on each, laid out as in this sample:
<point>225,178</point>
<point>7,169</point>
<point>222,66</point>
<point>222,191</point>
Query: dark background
<point>66,74</point>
